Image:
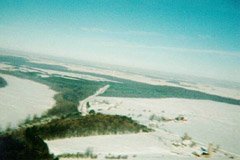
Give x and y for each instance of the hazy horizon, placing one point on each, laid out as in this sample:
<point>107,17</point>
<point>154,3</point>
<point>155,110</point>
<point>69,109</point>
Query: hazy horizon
<point>198,38</point>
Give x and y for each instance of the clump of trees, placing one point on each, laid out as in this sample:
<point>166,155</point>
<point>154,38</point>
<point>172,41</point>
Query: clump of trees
<point>70,92</point>
<point>24,146</point>
<point>109,156</point>
<point>3,83</point>
<point>159,118</point>
<point>92,124</point>
<point>87,154</point>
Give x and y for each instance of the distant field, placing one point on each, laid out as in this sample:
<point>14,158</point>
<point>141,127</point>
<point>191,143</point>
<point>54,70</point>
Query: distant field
<point>80,88</point>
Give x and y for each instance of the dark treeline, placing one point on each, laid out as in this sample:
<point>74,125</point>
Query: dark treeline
<point>142,90</point>
<point>3,83</point>
<point>70,92</point>
<point>77,125</point>
<point>26,146</point>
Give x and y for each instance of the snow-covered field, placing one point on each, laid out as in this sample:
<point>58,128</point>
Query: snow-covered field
<point>21,98</point>
<point>142,146</point>
<point>211,89</point>
<point>205,121</point>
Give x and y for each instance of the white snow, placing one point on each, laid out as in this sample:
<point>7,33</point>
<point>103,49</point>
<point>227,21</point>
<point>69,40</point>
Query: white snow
<point>206,122</point>
<point>151,146</point>
<point>21,98</point>
<point>4,66</point>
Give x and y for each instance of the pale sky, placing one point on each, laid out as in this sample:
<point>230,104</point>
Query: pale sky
<point>200,38</point>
